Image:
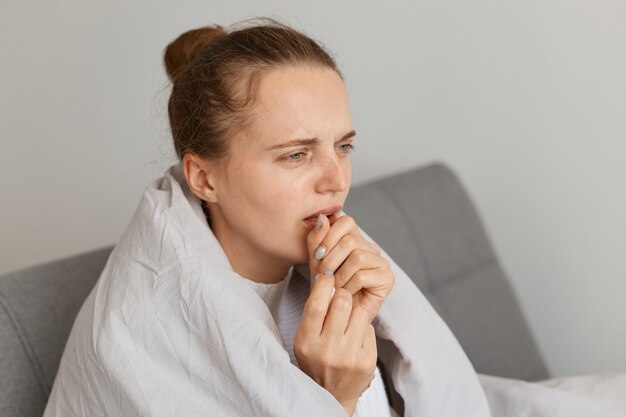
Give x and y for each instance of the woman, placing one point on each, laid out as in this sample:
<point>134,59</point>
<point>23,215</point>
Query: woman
<point>262,128</point>
<point>280,164</point>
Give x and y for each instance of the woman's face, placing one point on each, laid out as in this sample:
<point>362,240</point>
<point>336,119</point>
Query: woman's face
<point>293,163</point>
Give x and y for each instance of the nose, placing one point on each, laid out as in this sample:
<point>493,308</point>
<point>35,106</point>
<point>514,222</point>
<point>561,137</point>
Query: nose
<point>334,175</point>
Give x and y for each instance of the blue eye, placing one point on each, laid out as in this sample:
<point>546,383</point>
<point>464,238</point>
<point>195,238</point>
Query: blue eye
<point>348,147</point>
<point>290,157</point>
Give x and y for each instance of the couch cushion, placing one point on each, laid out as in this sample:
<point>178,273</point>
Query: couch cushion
<point>426,222</point>
<point>37,310</point>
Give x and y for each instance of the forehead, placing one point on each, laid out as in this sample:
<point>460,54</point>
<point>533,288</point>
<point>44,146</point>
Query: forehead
<point>296,102</point>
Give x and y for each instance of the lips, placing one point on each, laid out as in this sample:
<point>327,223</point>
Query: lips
<point>329,212</point>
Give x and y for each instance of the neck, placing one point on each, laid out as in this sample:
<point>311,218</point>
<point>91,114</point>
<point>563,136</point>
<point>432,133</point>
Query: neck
<point>259,269</point>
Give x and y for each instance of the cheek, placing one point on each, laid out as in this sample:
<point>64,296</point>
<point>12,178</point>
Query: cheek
<point>275,198</point>
<point>283,203</point>
<point>347,168</point>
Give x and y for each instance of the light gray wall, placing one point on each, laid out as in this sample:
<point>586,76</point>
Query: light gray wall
<point>525,100</point>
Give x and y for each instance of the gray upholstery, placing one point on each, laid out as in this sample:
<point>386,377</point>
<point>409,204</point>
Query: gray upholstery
<point>426,222</point>
<point>422,218</point>
<point>37,310</point>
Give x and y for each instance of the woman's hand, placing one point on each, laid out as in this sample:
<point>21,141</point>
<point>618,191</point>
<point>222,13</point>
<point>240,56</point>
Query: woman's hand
<point>335,343</point>
<point>356,263</point>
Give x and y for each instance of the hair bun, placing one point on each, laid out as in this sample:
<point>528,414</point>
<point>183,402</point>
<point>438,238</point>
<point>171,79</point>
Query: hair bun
<point>182,49</point>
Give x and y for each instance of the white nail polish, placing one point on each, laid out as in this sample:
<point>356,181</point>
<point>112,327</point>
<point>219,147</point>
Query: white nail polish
<point>319,222</point>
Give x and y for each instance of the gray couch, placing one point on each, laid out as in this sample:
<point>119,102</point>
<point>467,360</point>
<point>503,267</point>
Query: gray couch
<point>424,220</point>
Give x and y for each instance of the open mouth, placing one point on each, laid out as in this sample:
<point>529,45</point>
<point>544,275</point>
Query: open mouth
<point>313,219</point>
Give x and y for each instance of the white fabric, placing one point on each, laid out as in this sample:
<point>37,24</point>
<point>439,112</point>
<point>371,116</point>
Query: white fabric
<point>597,395</point>
<point>272,294</point>
<point>171,330</point>
<point>285,300</point>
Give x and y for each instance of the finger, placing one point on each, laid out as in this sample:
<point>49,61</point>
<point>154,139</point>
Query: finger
<point>338,314</point>
<point>337,252</point>
<point>358,324</point>
<point>316,306</point>
<point>313,240</point>
<point>342,226</point>
<point>357,259</point>
<point>375,283</point>
<point>345,226</point>
<point>357,232</point>
<point>369,344</point>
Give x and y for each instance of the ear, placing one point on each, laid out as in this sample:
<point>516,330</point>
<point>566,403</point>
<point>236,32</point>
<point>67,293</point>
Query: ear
<point>201,177</point>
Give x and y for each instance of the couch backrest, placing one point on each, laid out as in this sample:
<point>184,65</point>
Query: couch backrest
<point>425,221</point>
<point>37,309</point>
<point>422,218</point>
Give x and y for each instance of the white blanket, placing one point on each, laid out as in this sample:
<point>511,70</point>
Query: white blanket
<point>171,330</point>
<point>601,395</point>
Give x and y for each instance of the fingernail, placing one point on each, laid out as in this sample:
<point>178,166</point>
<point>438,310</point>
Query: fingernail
<point>320,252</point>
<point>315,278</point>
<point>319,222</point>
<point>328,272</point>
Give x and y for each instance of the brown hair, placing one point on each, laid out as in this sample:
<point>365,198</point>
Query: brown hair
<point>215,76</point>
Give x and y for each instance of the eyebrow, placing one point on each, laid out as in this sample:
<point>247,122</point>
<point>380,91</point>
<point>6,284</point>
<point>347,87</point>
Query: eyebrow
<point>300,142</point>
